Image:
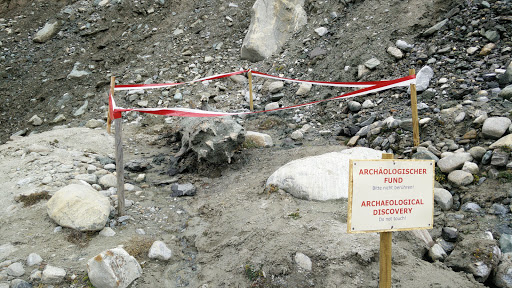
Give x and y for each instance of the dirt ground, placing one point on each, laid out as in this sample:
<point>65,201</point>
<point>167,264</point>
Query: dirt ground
<point>231,234</point>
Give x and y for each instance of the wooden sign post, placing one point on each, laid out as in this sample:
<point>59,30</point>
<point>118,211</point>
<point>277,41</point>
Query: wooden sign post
<point>119,153</point>
<point>390,195</point>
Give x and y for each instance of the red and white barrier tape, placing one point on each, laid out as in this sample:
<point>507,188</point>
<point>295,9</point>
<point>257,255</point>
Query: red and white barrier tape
<point>163,85</point>
<point>369,87</point>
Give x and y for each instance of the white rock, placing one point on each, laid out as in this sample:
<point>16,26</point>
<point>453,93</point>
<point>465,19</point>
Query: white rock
<point>368,104</point>
<point>472,50</point>
<point>495,127</point>
<point>107,232</point>
<point>140,178</point>
<point>110,166</point>
<point>35,120</point>
<point>372,63</point>
<point>79,207</point>
<point>272,106</point>
<point>297,135</point>
<point>47,32</point>
<point>322,177</point>
<point>443,198</point>
<point>395,52</point>
<point>275,87</point>
<point>113,268</point>
<point>503,141</point>
<point>258,139</point>
<point>303,261</point>
<point>34,259</point>
<point>109,180</point>
<point>159,251</point>
<point>321,31</point>
<point>53,275</point>
<point>437,252</point>
<point>423,78</point>
<point>75,73</point>
<point>89,178</point>
<point>271,26</point>
<point>471,167</point>
<point>453,161</point>
<point>304,89</point>
<point>94,123</point>
<point>461,178</point>
<point>15,269</point>
<point>404,46</point>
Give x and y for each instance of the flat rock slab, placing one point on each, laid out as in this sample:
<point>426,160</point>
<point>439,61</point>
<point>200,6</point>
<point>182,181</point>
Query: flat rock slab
<point>322,177</point>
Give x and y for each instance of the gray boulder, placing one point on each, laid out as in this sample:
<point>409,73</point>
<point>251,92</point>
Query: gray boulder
<point>460,178</point>
<point>506,93</point>
<point>495,127</point>
<point>476,256</point>
<point>79,207</point>
<point>505,141</point>
<point>443,198</point>
<point>272,23</point>
<point>321,177</point>
<point>503,277</point>
<point>453,162</point>
<point>214,140</point>
<point>506,243</point>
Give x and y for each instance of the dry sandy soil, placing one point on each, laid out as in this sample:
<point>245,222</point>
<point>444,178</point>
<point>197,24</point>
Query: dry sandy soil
<point>220,237</point>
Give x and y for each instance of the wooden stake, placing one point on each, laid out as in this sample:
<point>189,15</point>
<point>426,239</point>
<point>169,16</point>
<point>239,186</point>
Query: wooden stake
<point>119,167</point>
<point>385,250</point>
<point>251,105</point>
<point>414,108</point>
<point>109,121</point>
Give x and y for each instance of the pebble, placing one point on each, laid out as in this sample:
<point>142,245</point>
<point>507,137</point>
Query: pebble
<point>159,251</point>
<point>404,46</point>
<point>15,269</point>
<point>372,63</point>
<point>34,259</point>
<point>107,232</point>
<point>470,207</point>
<point>321,31</point>
<point>443,198</point>
<point>395,52</point>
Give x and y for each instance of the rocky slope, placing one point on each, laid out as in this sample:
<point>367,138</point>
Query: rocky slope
<point>64,80</point>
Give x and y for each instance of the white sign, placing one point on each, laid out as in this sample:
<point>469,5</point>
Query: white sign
<point>390,195</point>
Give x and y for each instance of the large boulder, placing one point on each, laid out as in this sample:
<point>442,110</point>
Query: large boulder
<point>495,127</point>
<point>272,23</point>
<point>322,177</point>
<point>113,268</point>
<point>79,207</point>
<point>454,161</point>
<point>476,256</point>
<point>214,140</point>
